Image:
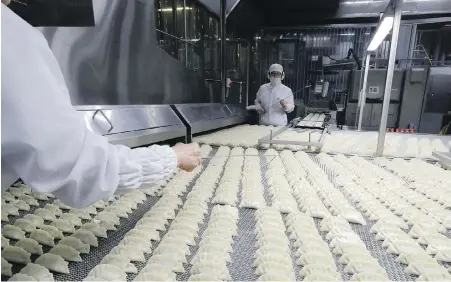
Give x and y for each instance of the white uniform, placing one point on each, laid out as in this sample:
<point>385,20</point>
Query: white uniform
<point>44,140</point>
<point>268,98</point>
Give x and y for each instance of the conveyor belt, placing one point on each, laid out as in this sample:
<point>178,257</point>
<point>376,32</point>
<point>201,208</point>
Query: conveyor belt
<point>243,248</point>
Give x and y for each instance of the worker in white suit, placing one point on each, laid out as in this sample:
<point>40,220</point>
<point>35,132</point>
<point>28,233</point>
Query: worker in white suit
<point>46,143</point>
<point>274,100</point>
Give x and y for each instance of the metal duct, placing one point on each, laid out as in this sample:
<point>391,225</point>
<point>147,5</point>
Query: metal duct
<point>372,8</point>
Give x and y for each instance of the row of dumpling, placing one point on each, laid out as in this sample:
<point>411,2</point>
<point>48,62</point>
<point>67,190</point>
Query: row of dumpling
<point>353,252</point>
<point>410,253</point>
<point>278,187</point>
<point>430,180</point>
<point>273,260</point>
<point>305,195</point>
<point>251,181</point>
<point>205,150</point>
<point>180,182</point>
<point>227,191</point>
<point>312,252</point>
<point>389,230</point>
<point>413,207</point>
<point>292,135</point>
<point>332,198</point>
<point>242,135</point>
<point>215,247</point>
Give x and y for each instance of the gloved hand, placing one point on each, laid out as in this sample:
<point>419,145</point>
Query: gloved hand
<point>188,156</point>
<point>260,110</point>
<point>283,103</point>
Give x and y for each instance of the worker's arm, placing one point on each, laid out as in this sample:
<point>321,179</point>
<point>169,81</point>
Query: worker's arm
<point>257,102</point>
<point>45,141</point>
<point>289,102</point>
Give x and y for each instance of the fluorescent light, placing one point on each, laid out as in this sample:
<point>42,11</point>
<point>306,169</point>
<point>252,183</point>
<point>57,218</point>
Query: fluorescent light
<point>381,32</point>
<point>170,9</point>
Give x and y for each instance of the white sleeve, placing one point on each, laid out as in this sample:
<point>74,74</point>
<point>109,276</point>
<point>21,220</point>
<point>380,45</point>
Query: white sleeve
<point>45,141</point>
<point>290,101</point>
<point>257,99</point>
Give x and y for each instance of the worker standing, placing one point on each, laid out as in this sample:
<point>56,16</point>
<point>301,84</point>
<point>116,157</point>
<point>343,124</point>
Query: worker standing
<point>274,100</point>
<point>45,141</point>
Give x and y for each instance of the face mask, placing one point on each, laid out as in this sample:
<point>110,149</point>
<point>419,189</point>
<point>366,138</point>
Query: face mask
<point>275,81</point>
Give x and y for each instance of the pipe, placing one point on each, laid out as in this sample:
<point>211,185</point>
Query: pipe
<point>222,47</point>
<point>389,79</point>
<point>247,71</point>
<point>186,33</point>
<point>363,93</point>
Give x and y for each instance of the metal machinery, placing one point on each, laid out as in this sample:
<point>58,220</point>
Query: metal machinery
<point>141,125</point>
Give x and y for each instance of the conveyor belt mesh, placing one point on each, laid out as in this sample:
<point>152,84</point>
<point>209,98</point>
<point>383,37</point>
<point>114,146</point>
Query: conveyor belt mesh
<point>240,268</point>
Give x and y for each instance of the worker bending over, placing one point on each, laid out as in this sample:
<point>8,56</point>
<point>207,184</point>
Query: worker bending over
<point>45,141</point>
<point>274,99</point>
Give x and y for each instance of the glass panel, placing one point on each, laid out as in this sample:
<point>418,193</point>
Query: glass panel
<point>165,25</point>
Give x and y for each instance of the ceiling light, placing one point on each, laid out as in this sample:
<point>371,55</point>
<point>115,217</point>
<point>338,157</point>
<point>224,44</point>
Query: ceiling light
<point>383,29</point>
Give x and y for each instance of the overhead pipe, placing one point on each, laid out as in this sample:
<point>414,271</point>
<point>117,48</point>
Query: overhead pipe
<point>222,50</point>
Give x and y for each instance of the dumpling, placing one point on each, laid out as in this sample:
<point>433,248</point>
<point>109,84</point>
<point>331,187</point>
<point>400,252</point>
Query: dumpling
<point>160,270</point>
<point>407,258</point>
<point>363,266</point>
<point>81,213</point>
<point>203,277</point>
<point>53,262</point>
<point>131,253</point>
<point>72,219</point>
<point>5,216</point>
<point>86,237</point>
<point>209,267</point>
<point>91,210</point>
<point>66,252</point>
<point>369,276</point>
<point>37,271</point>
<point>7,196</point>
<point>21,277</point>
<point>152,276</point>
<point>444,255</point>
<point>45,214</point>
<point>107,272</point>
<point>121,262</point>
<point>16,254</point>
<point>108,217</point>
<point>315,258</point>
<point>360,256</point>
<point>13,232</point>
<point>105,224</point>
<point>10,209</point>
<point>137,242</point>
<point>76,244</point>
<point>25,225</point>
<point>63,225</point>
<point>54,209</point>
<point>172,263</point>
<point>30,245</point>
<point>21,205</point>
<point>37,220</point>
<point>40,196</point>
<point>318,268</point>
<point>43,237</point>
<point>61,205</point>
<point>5,242</point>
<point>95,228</point>
<point>52,230</point>
<point>419,268</point>
<point>118,210</point>
<point>29,200</point>
<point>6,268</point>
<point>321,277</point>
<point>434,277</point>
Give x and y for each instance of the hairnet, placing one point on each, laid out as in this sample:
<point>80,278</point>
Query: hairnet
<point>275,68</point>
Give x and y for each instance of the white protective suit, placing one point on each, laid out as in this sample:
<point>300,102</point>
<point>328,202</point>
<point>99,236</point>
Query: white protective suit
<point>269,96</point>
<point>45,141</point>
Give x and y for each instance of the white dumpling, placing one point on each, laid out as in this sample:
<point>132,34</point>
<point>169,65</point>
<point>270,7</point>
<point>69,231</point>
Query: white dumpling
<point>21,277</point>
<point>210,267</point>
<point>316,258</point>
<point>321,277</point>
<point>53,262</point>
<point>16,254</point>
<point>63,225</point>
<point>54,209</point>
<point>45,214</point>
<point>40,196</point>
<point>10,209</point>
<point>203,277</point>
<point>7,196</point>
<point>363,266</point>
<point>21,205</point>
<point>13,232</point>
<point>43,237</point>
<point>5,242</point>
<point>91,210</point>
<point>80,213</point>
<point>434,277</point>
<point>137,242</point>
<point>131,253</point>
<point>266,267</point>
<point>419,268</point>
<point>52,230</point>
<point>5,216</point>
<point>72,219</point>
<point>407,258</point>
<point>95,228</point>
<point>109,226</point>
<point>36,219</point>
<point>37,271</point>
<point>171,262</point>
<point>108,216</point>
<point>6,268</point>
<point>29,200</point>
<point>159,270</point>
<point>75,243</point>
<point>121,262</point>
<point>61,205</point>
<point>66,252</point>
<point>444,255</point>
<point>369,276</point>
<point>25,225</point>
<point>30,245</point>
<point>86,237</point>
<point>318,268</point>
<point>360,256</point>
<point>152,276</point>
<point>100,204</point>
<point>120,211</point>
<point>107,272</point>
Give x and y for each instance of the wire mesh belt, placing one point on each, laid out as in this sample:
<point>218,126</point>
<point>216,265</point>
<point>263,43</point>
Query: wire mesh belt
<point>241,266</point>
